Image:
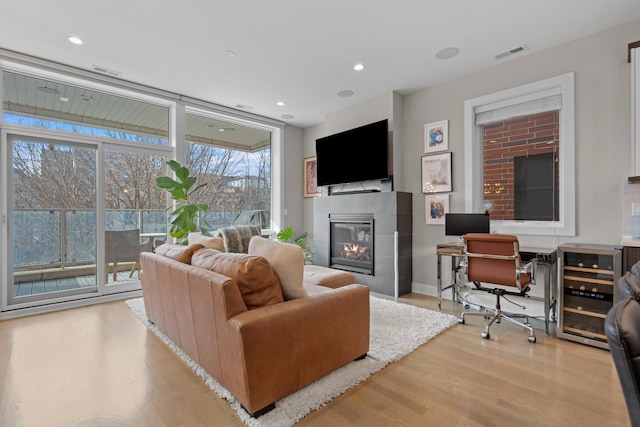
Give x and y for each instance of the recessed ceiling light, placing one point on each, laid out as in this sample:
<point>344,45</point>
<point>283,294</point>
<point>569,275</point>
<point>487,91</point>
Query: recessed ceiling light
<point>75,40</point>
<point>447,53</point>
<point>85,98</point>
<point>280,104</point>
<point>49,90</point>
<point>287,116</point>
<point>345,93</point>
<point>358,67</point>
<point>64,99</point>
<point>230,53</point>
<point>226,130</point>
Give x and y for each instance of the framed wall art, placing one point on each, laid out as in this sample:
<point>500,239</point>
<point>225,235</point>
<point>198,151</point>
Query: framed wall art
<point>436,136</point>
<point>310,173</point>
<point>436,173</point>
<point>437,206</point>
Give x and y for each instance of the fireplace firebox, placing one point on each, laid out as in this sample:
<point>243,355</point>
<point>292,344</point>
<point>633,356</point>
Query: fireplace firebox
<point>351,242</point>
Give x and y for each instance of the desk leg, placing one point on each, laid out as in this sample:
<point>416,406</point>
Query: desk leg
<point>550,294</point>
<point>554,291</point>
<point>454,278</point>
<point>439,281</point>
<point>547,296</point>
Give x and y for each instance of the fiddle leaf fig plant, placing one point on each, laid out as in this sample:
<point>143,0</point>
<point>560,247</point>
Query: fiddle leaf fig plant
<point>185,217</point>
<point>287,235</point>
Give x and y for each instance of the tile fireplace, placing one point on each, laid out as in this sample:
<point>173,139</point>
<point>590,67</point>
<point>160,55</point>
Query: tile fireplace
<point>351,242</point>
<point>367,234</point>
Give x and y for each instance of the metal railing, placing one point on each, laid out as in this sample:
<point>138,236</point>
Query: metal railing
<point>60,238</point>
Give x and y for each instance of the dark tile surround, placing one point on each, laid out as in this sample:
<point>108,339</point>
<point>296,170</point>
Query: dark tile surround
<point>392,211</point>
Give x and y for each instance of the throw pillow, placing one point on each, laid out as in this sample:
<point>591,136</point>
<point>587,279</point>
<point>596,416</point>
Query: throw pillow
<point>258,283</point>
<point>236,238</point>
<point>287,261</point>
<point>207,241</point>
<point>180,253</point>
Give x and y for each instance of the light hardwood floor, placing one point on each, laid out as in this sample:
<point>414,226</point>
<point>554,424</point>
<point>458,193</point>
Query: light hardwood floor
<point>100,366</point>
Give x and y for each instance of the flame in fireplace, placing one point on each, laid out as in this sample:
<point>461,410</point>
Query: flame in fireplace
<point>355,251</point>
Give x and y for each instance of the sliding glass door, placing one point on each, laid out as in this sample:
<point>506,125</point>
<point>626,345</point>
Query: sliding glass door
<point>52,219</point>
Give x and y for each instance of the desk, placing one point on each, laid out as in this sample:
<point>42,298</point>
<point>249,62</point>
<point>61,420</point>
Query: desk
<point>542,257</point>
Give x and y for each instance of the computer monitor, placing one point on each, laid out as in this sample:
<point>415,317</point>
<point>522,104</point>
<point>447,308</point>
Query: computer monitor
<point>459,224</point>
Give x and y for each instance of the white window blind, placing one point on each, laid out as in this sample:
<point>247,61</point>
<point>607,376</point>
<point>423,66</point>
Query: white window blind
<point>502,110</point>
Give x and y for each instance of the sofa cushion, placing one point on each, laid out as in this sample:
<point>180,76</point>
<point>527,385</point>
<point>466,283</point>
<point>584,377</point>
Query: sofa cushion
<point>258,283</point>
<point>287,261</point>
<point>325,276</point>
<point>207,241</point>
<point>180,253</point>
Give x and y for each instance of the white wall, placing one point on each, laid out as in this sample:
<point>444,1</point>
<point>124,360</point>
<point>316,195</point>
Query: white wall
<point>387,106</point>
<point>602,88</point>
<point>292,207</point>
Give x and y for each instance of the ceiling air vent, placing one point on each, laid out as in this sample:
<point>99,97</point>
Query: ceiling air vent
<point>106,71</point>
<point>512,51</point>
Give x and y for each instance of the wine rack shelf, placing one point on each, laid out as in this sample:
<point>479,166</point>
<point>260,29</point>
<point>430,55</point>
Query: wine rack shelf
<point>588,275</point>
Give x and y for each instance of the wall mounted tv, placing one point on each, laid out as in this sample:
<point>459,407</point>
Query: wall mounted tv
<point>359,154</point>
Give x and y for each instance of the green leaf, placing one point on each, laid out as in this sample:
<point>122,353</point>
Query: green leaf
<point>188,183</point>
<point>178,194</point>
<point>174,165</point>
<point>182,173</point>
<point>191,209</point>
<point>167,183</point>
<point>300,240</point>
<point>285,234</point>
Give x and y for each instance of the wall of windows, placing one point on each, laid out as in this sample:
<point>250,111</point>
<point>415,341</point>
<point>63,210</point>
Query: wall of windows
<point>80,158</point>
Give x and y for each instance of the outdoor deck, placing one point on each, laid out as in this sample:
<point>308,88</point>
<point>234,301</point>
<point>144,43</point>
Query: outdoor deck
<point>54,284</point>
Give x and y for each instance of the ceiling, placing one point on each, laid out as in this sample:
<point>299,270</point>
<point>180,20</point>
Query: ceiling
<point>250,54</point>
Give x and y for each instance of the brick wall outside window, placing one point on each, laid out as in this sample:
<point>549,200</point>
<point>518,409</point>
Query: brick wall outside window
<point>504,140</point>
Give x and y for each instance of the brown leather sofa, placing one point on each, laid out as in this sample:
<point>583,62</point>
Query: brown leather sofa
<point>258,346</point>
<point>623,335</point>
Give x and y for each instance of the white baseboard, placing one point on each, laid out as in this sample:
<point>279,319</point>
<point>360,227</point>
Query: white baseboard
<point>429,290</point>
<point>47,308</point>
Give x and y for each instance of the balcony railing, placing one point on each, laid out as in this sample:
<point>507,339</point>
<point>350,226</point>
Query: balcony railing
<point>63,238</point>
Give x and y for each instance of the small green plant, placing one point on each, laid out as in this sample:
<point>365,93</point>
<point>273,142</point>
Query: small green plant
<point>286,235</point>
<point>185,215</point>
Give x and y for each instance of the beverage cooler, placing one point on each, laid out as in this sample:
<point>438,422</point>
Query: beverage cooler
<point>588,274</point>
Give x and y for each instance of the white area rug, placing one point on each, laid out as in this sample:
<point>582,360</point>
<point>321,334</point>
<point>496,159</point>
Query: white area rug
<point>396,330</point>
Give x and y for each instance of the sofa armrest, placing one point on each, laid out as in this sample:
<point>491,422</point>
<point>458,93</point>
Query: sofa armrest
<point>289,345</point>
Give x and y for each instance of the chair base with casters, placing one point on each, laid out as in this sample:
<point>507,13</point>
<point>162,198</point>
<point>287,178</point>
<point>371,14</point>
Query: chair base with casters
<point>498,315</point>
<point>494,259</point>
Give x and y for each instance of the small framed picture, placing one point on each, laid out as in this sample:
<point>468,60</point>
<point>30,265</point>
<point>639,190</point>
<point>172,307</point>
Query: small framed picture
<point>436,173</point>
<point>436,136</point>
<point>310,174</point>
<point>437,207</point>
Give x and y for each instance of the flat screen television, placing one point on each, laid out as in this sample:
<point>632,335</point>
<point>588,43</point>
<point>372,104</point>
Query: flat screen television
<point>459,224</point>
<point>359,154</point>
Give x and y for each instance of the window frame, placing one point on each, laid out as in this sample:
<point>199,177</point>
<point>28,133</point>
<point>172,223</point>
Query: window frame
<point>175,150</point>
<point>562,85</point>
